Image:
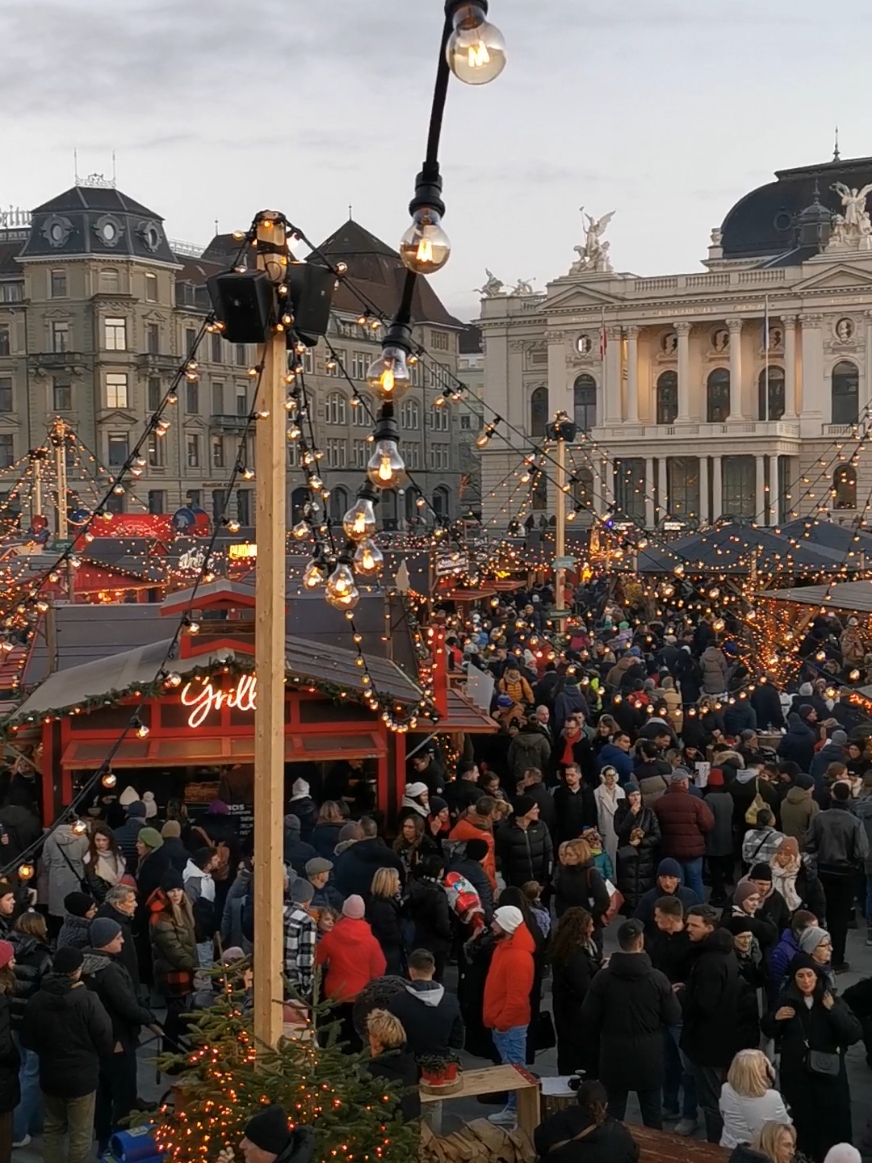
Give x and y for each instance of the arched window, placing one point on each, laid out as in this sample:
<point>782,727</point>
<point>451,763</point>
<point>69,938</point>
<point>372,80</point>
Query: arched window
<point>584,403</point>
<point>440,502</point>
<point>770,403</point>
<point>844,491</point>
<point>667,397</point>
<point>539,411</point>
<point>845,393</point>
<point>362,411</point>
<point>338,504</point>
<point>110,282</point>
<point>335,408</point>
<point>718,396</point>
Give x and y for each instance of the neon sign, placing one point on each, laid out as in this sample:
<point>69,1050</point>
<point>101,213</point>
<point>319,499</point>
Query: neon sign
<point>204,698</point>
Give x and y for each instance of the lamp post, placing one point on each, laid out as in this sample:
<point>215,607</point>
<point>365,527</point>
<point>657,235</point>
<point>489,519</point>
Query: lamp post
<point>562,430</point>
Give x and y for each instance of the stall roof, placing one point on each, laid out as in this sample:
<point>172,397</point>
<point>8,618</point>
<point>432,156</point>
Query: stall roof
<point>732,547</point>
<point>855,595</point>
<point>122,673</point>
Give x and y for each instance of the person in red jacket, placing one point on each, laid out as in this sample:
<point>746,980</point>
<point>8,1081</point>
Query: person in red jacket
<point>353,958</point>
<point>684,820</point>
<point>506,1010</point>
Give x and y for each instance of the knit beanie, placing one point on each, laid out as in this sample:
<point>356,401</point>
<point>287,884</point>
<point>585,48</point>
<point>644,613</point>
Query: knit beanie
<point>67,959</point>
<point>171,879</point>
<point>804,781</point>
<point>268,1130</point>
<point>102,931</point>
<point>302,891</point>
<point>354,908</point>
<point>129,796</point>
<point>150,837</point>
<point>744,890</point>
<point>136,810</point>
<point>523,805</point>
<point>760,872</point>
<point>839,738</point>
<point>78,903</point>
<point>172,830</point>
<point>669,867</point>
<point>509,918</point>
<point>7,952</point>
<point>810,938</point>
<point>150,805</point>
<point>476,849</point>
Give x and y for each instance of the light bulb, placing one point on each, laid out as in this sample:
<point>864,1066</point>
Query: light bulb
<point>388,375</point>
<point>421,502</point>
<point>386,469</point>
<point>79,828</point>
<point>300,530</point>
<point>342,593</point>
<point>313,576</point>
<point>359,521</point>
<point>368,559</point>
<point>141,730</point>
<point>425,247</point>
<point>476,51</point>
<point>25,871</point>
<point>109,779</point>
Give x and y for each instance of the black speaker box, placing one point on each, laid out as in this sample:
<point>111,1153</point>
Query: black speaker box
<point>311,291</point>
<point>245,303</point>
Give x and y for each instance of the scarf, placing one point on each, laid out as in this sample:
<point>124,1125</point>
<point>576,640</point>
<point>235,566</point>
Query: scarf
<point>109,868</point>
<point>784,881</point>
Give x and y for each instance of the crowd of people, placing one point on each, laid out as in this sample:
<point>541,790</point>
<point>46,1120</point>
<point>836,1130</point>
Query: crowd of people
<point>640,779</point>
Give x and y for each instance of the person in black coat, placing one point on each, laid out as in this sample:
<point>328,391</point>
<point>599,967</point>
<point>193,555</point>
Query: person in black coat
<point>354,868</point>
<point>574,804</point>
<point>536,790</point>
<point>430,913</point>
<point>797,744</point>
<point>628,1006</point>
<point>10,1060</point>
<point>173,850</point>
<point>764,698</point>
<point>719,841</point>
<point>816,1091</point>
<point>638,832</point>
<point>585,1133</point>
<point>468,863</point>
<point>579,883</point>
<point>524,847</point>
<point>384,911</point>
<point>575,960</point>
<point>429,1013</point>
<point>710,1011</point>
<point>295,851</point>
<point>120,906</point>
<point>393,1061</point>
<point>689,677</point>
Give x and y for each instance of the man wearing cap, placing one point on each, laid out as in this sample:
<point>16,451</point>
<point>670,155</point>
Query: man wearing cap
<point>325,895</point>
<point>299,937</point>
<point>105,974</point>
<point>125,835</point>
<point>684,822</point>
<point>68,1027</point>
<point>506,1009</point>
<point>267,1139</point>
<point>524,847</point>
<point>80,910</point>
<point>630,1005</point>
<point>303,807</point>
<point>668,883</point>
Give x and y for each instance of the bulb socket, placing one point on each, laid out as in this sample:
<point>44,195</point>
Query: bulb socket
<point>428,190</point>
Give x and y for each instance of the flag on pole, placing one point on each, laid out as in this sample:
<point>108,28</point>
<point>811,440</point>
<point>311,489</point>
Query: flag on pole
<point>766,323</point>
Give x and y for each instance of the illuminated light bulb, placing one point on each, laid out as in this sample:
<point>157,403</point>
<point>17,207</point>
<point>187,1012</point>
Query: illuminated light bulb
<point>233,526</point>
<point>294,432</point>
<point>314,575</point>
<point>342,593</point>
<point>193,627</point>
<point>853,675</point>
<point>247,474</point>
<point>421,502</point>
<point>315,483</point>
<point>476,50</point>
<point>386,469</point>
<point>571,515</point>
<point>300,530</point>
<point>389,375</point>
<point>718,624</point>
<point>141,730</point>
<point>425,247</point>
<point>174,679</point>
<point>360,520</point>
<point>79,828</point>
<point>109,779</point>
<point>368,559</point>
<point>42,606</point>
<point>25,871</point>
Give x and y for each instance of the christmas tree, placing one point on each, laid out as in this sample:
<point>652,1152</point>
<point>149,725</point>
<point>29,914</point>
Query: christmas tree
<point>225,1078</point>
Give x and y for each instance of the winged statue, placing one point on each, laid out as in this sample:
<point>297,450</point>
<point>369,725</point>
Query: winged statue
<point>593,254</point>
<point>855,214</point>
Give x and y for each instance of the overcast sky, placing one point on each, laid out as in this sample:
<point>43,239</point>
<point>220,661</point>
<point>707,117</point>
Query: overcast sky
<point>666,112</point>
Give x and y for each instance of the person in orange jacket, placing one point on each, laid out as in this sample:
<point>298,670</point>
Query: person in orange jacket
<point>477,824</point>
<point>353,958</point>
<point>506,1009</point>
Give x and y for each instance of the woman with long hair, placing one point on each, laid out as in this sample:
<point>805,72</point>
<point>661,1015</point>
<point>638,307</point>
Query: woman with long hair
<point>580,883</point>
<point>325,834</point>
<point>413,845</point>
<point>174,949</point>
<point>32,964</point>
<point>813,1030</point>
<point>10,1061</point>
<point>608,796</point>
<point>585,1132</point>
<point>104,863</point>
<point>575,960</point>
<point>775,1143</point>
<point>749,1098</point>
<point>384,911</point>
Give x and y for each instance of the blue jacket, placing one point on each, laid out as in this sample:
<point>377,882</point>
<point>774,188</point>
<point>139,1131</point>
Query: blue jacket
<point>125,838</point>
<point>612,756</point>
<point>779,959</point>
<point>798,743</point>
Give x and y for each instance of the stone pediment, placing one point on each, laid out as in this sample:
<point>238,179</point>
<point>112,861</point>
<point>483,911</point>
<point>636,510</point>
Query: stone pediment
<point>842,277</point>
<point>565,296</point>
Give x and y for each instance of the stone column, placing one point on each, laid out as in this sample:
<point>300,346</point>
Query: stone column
<point>868,399</point>
<point>702,515</point>
<point>789,325</point>
<point>683,332</point>
<point>649,492</point>
<point>735,326</point>
<point>815,405</point>
<point>760,513</point>
<point>633,375</point>
<point>612,376</point>
<point>717,488</point>
<point>662,498</point>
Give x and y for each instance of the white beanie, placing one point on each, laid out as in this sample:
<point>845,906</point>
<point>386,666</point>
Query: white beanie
<point>150,805</point>
<point>300,789</point>
<point>842,1153</point>
<point>129,796</point>
<point>509,918</point>
<point>413,790</point>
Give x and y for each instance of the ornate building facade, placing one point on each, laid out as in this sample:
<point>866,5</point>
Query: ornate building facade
<point>741,391</point>
<point>98,309</point>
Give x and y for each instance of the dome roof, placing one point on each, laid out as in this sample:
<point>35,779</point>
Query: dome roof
<point>764,222</point>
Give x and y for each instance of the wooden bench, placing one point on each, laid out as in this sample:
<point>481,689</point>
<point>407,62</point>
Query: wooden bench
<point>495,1079</point>
<point>664,1147</point>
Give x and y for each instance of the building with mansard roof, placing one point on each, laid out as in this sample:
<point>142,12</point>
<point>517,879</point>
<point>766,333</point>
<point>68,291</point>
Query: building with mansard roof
<point>706,394</point>
<point>98,309</point>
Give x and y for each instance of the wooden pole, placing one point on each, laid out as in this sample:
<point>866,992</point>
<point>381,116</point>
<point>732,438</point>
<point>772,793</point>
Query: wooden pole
<point>269,653</point>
